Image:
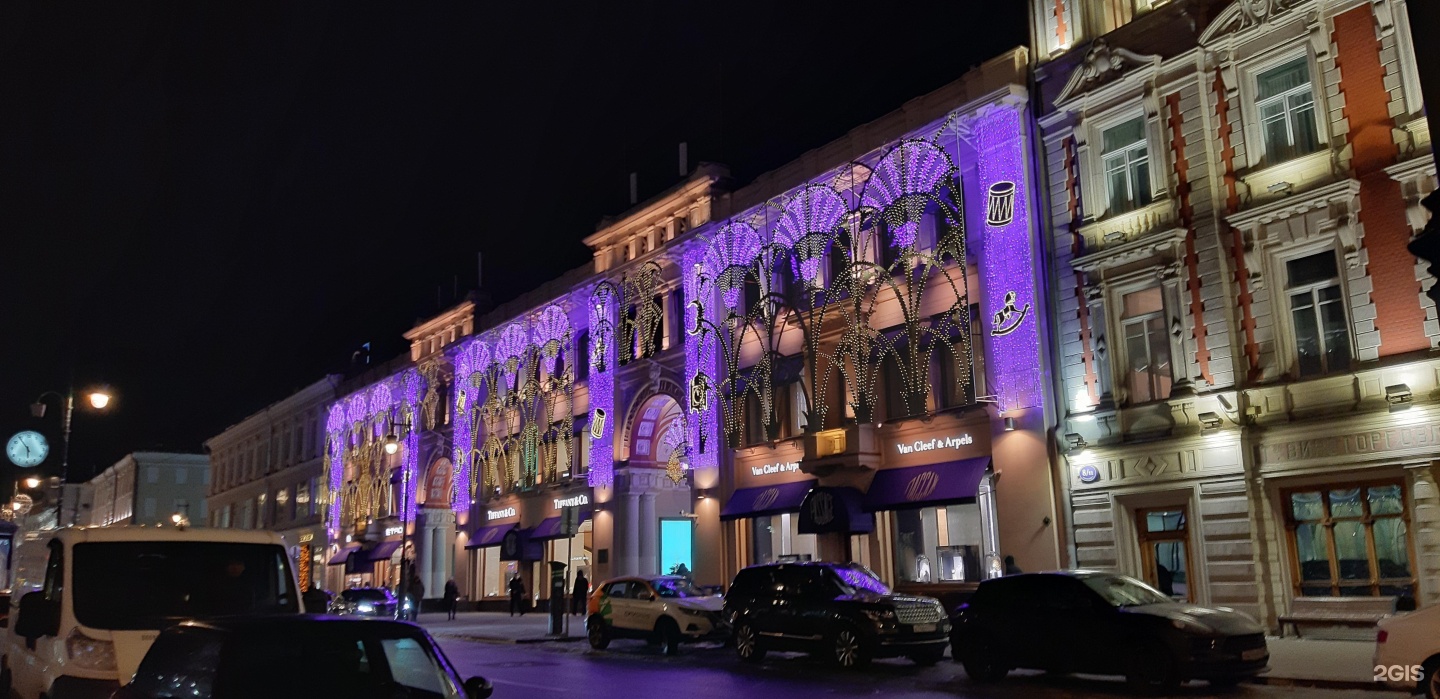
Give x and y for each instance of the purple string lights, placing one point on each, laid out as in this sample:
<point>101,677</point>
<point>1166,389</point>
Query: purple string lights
<point>703,424</point>
<point>1008,262</point>
<point>901,186</point>
<point>604,357</point>
<point>806,224</point>
<point>731,253</point>
<point>367,415</point>
<point>470,359</point>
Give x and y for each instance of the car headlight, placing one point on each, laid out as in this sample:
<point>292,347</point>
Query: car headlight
<point>90,653</point>
<point>366,607</point>
<point>881,617</point>
<point>1188,625</point>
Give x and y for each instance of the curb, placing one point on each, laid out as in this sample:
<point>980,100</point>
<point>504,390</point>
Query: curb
<point>1322,684</point>
<point>511,641</point>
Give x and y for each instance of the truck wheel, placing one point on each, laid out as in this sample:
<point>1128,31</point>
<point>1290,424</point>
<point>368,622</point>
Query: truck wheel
<point>747,644</point>
<point>848,649</point>
<point>596,633</point>
<point>668,635</point>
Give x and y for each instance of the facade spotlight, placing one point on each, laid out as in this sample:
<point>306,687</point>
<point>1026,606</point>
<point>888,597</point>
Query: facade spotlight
<point>1210,420</point>
<point>1076,440</point>
<point>1398,394</point>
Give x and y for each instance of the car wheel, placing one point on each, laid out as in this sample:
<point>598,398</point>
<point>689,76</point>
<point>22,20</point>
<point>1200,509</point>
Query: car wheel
<point>1430,682</point>
<point>1149,669</point>
<point>747,644</point>
<point>668,634</point>
<point>848,649</point>
<point>982,663</point>
<point>595,631</point>
<point>928,658</point>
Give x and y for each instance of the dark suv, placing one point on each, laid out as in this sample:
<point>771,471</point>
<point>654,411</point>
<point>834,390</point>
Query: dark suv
<point>1102,623</point>
<point>838,609</point>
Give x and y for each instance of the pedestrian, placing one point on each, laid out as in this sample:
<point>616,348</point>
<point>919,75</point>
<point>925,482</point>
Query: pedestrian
<point>452,597</point>
<point>317,601</point>
<point>579,593</point>
<point>417,593</point>
<point>1010,567</point>
<point>517,595</point>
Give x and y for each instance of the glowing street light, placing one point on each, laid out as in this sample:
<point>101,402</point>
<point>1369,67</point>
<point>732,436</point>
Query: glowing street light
<point>32,482</point>
<point>99,399</point>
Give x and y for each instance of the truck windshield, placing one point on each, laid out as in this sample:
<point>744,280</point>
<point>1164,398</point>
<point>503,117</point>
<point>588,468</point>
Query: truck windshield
<point>152,584</point>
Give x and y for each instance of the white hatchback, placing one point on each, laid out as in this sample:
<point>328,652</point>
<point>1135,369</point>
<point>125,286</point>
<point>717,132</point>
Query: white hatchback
<point>664,609</point>
<point>1407,651</point>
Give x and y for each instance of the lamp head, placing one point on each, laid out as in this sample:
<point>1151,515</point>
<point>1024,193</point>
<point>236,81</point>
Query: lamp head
<point>32,482</point>
<point>37,409</point>
<point>392,444</point>
<point>99,399</point>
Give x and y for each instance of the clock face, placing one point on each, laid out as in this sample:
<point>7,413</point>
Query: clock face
<point>27,449</point>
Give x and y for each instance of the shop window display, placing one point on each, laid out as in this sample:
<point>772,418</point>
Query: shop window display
<point>938,544</point>
<point>777,538</point>
<point>1350,540</point>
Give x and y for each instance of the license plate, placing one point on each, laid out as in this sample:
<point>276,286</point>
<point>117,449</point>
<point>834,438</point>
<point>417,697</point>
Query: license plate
<point>1252,654</point>
<point>923,628</point>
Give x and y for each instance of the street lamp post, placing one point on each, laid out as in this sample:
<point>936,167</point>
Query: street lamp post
<point>98,400</point>
<point>392,447</point>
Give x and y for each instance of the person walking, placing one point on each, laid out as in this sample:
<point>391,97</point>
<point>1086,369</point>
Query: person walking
<point>517,595</point>
<point>452,598</point>
<point>580,592</point>
<point>417,593</point>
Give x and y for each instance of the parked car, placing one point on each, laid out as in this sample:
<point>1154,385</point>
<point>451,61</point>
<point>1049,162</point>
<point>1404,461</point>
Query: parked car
<point>665,609</point>
<point>840,610</point>
<point>89,600</point>
<point>1102,623</point>
<point>298,657</point>
<point>365,601</point>
<point>1407,651</point>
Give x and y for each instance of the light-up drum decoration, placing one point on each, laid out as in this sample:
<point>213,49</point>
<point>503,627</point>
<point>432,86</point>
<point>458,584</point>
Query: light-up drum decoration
<point>1000,204</point>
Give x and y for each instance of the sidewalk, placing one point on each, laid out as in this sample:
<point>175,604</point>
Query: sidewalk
<point>499,627</point>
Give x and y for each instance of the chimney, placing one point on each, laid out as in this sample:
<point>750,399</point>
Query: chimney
<point>634,188</point>
<point>684,158</point>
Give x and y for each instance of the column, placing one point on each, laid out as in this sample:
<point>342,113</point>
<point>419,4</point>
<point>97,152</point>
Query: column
<point>1425,521</point>
<point>649,536</point>
<point>630,555</point>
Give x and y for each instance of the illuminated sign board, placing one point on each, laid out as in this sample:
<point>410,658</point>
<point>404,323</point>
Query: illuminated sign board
<point>395,531</point>
<point>772,469</point>
<point>576,501</point>
<point>491,515</point>
<point>934,443</point>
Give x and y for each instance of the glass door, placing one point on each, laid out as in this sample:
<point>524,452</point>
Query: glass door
<point>1165,550</point>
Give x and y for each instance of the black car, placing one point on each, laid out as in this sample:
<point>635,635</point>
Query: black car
<point>840,610</point>
<point>1102,623</point>
<point>365,601</point>
<point>298,657</point>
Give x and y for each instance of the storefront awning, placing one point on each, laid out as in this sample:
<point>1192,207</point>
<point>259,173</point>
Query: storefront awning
<point>937,484</point>
<point>343,553</point>
<point>492,535</point>
<point>835,510</point>
<point>766,500</point>
<point>383,552</point>
<point>550,528</point>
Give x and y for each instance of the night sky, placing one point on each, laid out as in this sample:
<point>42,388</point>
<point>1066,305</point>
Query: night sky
<point>209,205</point>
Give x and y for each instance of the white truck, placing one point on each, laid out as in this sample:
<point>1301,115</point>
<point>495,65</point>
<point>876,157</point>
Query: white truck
<point>88,601</point>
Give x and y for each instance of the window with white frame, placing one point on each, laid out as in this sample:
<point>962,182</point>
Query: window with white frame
<point>1285,105</point>
<point>1148,373</point>
<point>1125,157</point>
<point>1317,314</point>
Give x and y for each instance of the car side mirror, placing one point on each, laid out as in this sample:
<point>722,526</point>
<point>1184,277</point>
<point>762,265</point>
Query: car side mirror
<point>653,597</point>
<point>478,688</point>
<point>37,617</point>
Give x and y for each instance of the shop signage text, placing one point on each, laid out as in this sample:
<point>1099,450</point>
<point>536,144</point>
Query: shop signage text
<point>771,469</point>
<point>394,531</point>
<point>577,501</point>
<point>1425,436</point>
<point>1089,474</point>
<point>307,537</point>
<point>920,445</point>
<point>491,515</point>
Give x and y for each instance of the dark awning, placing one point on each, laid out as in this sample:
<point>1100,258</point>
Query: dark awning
<point>492,535</point>
<point>937,484</point>
<point>766,500</point>
<point>343,553</point>
<point>550,528</point>
<point>835,510</point>
<point>383,552</point>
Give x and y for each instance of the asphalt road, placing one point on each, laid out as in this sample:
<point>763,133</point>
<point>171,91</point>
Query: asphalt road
<point>630,669</point>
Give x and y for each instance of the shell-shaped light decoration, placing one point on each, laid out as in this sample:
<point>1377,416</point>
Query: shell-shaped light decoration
<point>730,254</point>
<point>552,333</point>
<point>805,226</point>
<point>902,183</point>
<point>511,349</point>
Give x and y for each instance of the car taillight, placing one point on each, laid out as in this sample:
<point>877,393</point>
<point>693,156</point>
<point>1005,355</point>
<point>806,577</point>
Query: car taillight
<point>1381,636</point>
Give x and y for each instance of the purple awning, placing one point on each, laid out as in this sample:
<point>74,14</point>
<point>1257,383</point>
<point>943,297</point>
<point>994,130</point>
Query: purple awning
<point>938,484</point>
<point>492,535</point>
<point>550,528</point>
<point>382,552</point>
<point>766,500</point>
<point>342,554</point>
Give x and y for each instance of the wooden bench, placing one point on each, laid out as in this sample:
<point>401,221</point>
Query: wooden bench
<point>1336,611</point>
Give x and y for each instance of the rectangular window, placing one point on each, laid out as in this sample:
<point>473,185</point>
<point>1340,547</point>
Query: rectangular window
<point>152,475</point>
<point>1350,540</point>
<point>1126,160</point>
<point>1285,103</point>
<point>1317,310</point>
<point>182,475</point>
<point>777,539</point>
<point>1147,346</point>
<point>938,544</point>
<point>1165,549</point>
